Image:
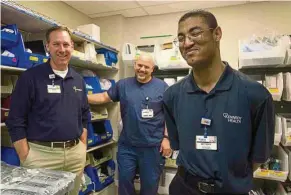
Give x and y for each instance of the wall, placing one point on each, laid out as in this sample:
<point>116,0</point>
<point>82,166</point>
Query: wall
<point>112,33</point>
<point>58,11</point>
<point>237,22</point>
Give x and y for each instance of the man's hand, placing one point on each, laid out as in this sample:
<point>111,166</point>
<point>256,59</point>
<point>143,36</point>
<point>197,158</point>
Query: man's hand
<point>165,148</point>
<point>83,137</point>
<point>22,149</point>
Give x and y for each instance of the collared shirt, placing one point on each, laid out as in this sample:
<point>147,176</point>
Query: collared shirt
<point>134,97</point>
<point>242,118</point>
<point>38,114</point>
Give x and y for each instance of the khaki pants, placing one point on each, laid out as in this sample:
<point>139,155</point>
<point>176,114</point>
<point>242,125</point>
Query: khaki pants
<point>68,159</point>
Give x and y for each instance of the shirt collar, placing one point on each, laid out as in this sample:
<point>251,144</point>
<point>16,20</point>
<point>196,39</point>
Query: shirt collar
<point>223,84</point>
<point>70,73</point>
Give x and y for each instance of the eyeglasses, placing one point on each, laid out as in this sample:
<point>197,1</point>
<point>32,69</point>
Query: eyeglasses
<point>193,37</point>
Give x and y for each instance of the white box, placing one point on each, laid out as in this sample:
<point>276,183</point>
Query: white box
<point>278,130</point>
<point>286,86</point>
<point>129,52</point>
<point>288,59</point>
<point>92,30</point>
<point>90,52</point>
<point>275,86</point>
<point>286,131</point>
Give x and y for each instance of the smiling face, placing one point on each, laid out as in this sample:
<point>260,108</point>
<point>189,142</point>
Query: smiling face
<point>143,68</point>
<point>198,43</point>
<point>60,47</point>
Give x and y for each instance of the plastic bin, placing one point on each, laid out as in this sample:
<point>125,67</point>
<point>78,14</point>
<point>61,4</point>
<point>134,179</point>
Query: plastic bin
<point>92,85</point>
<point>10,156</point>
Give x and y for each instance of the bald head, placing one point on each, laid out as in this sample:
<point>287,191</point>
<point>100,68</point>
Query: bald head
<point>146,57</point>
<point>143,67</point>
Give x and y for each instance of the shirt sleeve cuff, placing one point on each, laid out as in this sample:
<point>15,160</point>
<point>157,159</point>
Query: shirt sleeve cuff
<point>17,134</point>
<point>85,125</point>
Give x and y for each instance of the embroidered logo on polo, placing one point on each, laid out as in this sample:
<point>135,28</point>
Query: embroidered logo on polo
<point>232,119</point>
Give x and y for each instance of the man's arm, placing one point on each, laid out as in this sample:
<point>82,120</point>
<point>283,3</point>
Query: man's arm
<point>264,130</point>
<point>165,145</point>
<point>84,135</point>
<point>99,98</point>
<point>21,101</point>
<point>170,121</point>
<point>85,115</point>
<point>113,94</point>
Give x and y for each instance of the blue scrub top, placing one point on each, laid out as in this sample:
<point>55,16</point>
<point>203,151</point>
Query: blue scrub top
<point>242,118</point>
<point>135,96</point>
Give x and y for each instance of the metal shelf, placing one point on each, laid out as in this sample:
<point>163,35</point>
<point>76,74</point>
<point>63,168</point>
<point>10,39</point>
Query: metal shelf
<point>33,22</point>
<point>100,146</point>
<point>170,72</point>
<point>265,70</point>
<point>79,37</point>
<point>12,69</point>
<point>25,19</point>
<point>86,64</point>
<point>283,107</point>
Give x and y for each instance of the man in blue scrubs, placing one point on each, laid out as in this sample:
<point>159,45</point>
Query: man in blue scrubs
<point>48,117</point>
<point>143,141</point>
<point>221,122</point>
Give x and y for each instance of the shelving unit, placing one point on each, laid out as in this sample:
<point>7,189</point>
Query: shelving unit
<point>282,108</point>
<point>33,23</point>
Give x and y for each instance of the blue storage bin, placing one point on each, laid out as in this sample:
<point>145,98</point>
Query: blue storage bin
<point>29,60</point>
<point>9,39</point>
<point>92,85</point>
<point>110,56</point>
<point>102,131</point>
<point>9,61</point>
<point>9,156</point>
<point>91,138</point>
<point>13,43</point>
<point>89,188</point>
<point>107,169</point>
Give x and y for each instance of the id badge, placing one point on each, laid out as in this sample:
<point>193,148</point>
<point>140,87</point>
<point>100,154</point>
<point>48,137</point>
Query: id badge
<point>147,113</point>
<point>208,143</point>
<point>53,89</point>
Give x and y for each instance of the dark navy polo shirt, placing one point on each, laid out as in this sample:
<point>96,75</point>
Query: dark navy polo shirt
<point>138,131</point>
<point>242,117</point>
<point>38,115</point>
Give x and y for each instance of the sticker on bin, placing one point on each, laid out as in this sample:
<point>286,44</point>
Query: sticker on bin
<point>33,58</point>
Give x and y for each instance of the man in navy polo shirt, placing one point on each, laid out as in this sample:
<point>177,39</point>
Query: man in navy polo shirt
<point>143,137</point>
<point>49,110</point>
<point>221,122</point>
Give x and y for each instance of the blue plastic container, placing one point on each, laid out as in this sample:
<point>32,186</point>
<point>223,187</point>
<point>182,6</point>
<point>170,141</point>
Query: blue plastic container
<point>93,85</point>
<point>9,156</point>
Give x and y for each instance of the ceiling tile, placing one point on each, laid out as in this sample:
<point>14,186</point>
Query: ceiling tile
<point>95,7</point>
<point>105,14</point>
<point>187,5</point>
<point>153,2</point>
<point>134,12</point>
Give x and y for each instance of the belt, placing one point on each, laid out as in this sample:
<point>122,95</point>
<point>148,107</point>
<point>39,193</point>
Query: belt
<point>203,185</point>
<point>66,144</point>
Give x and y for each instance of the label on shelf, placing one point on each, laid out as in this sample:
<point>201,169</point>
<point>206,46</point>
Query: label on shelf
<point>274,90</point>
<point>288,138</point>
<point>277,173</point>
<point>33,58</point>
<point>263,173</point>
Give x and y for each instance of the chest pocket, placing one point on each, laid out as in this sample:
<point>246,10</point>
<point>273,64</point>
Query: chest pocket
<point>157,106</point>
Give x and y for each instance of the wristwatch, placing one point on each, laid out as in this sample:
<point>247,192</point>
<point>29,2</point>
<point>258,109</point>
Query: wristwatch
<point>165,136</point>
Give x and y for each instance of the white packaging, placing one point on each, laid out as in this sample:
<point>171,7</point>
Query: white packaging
<point>92,30</point>
<point>287,86</point>
<point>90,52</point>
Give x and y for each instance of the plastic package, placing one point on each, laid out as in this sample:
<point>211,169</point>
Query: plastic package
<point>22,181</point>
<point>263,51</point>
